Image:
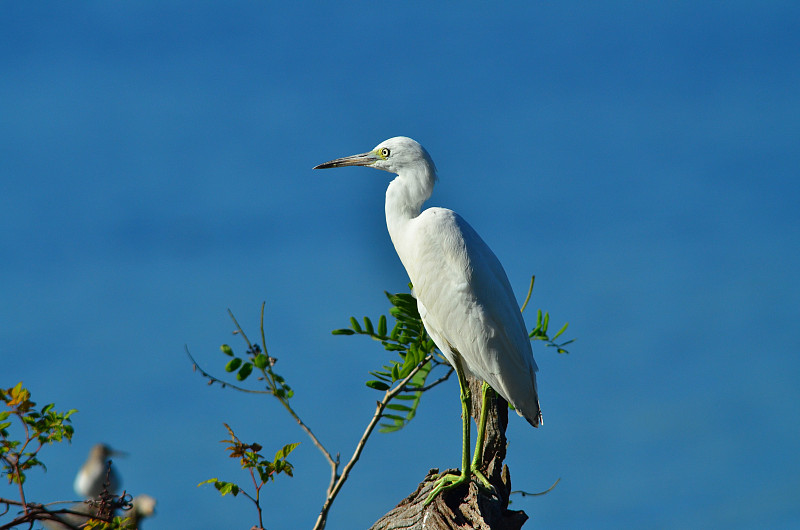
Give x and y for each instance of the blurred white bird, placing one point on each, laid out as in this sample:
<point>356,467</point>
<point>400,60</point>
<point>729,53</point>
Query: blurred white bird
<point>463,294</point>
<point>92,475</point>
<point>144,506</point>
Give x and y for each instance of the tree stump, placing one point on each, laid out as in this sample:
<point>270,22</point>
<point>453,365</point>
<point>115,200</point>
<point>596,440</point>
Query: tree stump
<point>468,506</point>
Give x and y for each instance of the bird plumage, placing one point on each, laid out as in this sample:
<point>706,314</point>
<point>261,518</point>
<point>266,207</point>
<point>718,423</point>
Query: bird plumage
<point>91,478</point>
<point>469,309</point>
<point>464,298</point>
<point>463,294</point>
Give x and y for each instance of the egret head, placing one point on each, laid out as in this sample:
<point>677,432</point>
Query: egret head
<point>394,155</point>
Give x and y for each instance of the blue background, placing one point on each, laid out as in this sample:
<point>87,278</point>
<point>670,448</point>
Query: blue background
<point>641,159</point>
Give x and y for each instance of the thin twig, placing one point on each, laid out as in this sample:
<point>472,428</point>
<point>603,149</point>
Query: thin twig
<point>263,337</point>
<point>214,379</point>
<point>248,496</point>
<point>38,512</point>
<point>16,465</point>
<point>288,407</point>
<point>311,435</point>
<point>381,406</point>
<point>439,381</point>
<point>239,328</point>
<point>526,494</point>
<point>528,298</point>
<point>284,401</point>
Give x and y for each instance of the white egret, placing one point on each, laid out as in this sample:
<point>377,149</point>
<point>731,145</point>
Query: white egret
<point>462,291</point>
<point>92,475</point>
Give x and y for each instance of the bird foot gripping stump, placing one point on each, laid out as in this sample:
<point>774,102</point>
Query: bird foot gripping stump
<point>467,505</point>
<point>452,479</point>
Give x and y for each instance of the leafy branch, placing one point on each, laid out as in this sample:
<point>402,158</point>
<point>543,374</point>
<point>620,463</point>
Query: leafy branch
<point>261,470</point>
<point>40,427</point>
<point>413,345</point>
<point>542,322</point>
<point>402,380</point>
<point>258,357</point>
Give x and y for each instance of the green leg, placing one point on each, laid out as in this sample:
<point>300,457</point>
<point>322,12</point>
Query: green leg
<point>447,482</point>
<point>486,393</point>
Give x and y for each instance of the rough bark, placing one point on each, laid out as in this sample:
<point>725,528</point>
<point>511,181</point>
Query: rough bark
<point>465,507</point>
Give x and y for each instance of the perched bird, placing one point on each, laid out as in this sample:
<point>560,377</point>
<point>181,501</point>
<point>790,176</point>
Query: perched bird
<point>92,476</point>
<point>462,291</point>
<point>143,506</point>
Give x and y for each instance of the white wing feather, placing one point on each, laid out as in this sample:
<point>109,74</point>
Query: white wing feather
<point>468,306</point>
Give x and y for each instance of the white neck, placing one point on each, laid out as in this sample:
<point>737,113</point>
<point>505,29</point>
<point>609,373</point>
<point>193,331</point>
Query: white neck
<point>405,196</point>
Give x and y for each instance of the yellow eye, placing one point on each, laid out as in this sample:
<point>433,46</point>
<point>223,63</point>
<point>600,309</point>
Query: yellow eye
<point>385,152</point>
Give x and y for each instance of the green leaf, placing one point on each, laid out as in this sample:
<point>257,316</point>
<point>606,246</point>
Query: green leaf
<point>209,481</point>
<point>560,331</point>
<point>227,350</point>
<point>419,381</point>
<point>397,406</point>
<point>368,326</point>
<point>343,332</point>
<point>233,364</point>
<point>406,304</point>
<point>378,385</point>
<point>261,361</point>
<point>382,326</point>
<point>245,371</point>
<point>382,375</point>
<point>227,487</point>
<point>355,325</point>
<point>284,452</point>
<point>385,427</point>
<point>406,369</point>
<point>413,355</point>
